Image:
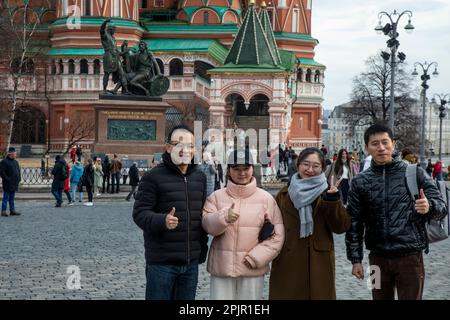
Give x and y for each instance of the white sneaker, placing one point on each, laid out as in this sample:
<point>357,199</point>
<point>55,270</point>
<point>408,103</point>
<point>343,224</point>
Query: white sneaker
<point>98,194</point>
<point>88,204</point>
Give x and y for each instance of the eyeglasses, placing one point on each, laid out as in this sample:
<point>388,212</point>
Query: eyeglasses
<point>315,167</point>
<point>182,145</point>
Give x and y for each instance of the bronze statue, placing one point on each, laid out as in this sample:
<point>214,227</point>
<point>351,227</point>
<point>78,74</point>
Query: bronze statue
<point>111,59</point>
<point>137,73</point>
<point>146,68</point>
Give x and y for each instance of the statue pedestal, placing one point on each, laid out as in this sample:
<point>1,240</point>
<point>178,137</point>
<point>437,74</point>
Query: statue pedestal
<point>130,125</point>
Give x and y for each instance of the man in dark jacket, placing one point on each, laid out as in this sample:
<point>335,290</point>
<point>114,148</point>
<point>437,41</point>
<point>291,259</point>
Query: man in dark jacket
<point>391,222</point>
<point>115,168</point>
<point>106,174</point>
<point>59,179</point>
<point>134,180</point>
<point>168,208</point>
<point>10,174</point>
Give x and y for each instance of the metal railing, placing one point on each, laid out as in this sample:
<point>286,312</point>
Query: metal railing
<point>36,176</point>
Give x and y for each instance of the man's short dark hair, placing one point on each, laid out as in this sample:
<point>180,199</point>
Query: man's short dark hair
<point>179,127</point>
<point>377,128</point>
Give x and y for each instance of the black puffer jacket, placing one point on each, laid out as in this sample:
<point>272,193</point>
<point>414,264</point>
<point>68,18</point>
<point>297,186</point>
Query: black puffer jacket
<point>382,210</point>
<point>57,171</point>
<point>159,190</point>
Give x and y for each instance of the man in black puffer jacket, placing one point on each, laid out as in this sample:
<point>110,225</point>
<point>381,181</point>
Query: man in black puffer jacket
<point>59,179</point>
<point>168,208</point>
<point>393,226</point>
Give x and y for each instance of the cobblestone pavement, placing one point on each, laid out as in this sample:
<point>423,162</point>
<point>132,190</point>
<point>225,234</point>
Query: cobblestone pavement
<point>38,247</point>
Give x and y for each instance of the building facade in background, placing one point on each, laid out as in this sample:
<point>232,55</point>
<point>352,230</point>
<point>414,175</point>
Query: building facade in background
<point>191,41</point>
<point>339,134</point>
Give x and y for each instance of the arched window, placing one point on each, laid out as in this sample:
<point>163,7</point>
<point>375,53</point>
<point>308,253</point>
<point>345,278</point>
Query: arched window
<point>160,65</point>
<point>53,67</point>
<point>87,7</point>
<point>176,67</point>
<point>27,66</point>
<point>317,76</point>
<point>205,17</point>
<point>29,126</point>
<point>71,66</point>
<point>61,67</point>
<point>300,74</point>
<point>201,69</point>
<point>84,67</point>
<point>308,75</point>
<point>96,66</point>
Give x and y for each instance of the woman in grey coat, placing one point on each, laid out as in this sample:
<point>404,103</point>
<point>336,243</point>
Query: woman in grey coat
<point>209,169</point>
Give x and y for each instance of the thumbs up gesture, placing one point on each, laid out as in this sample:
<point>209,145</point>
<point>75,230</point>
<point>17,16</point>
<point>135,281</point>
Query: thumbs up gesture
<point>422,206</point>
<point>171,220</point>
<point>232,215</point>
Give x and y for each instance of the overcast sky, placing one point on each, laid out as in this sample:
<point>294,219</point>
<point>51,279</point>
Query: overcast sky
<point>345,30</point>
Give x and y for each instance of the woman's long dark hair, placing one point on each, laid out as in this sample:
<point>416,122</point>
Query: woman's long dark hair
<point>338,163</point>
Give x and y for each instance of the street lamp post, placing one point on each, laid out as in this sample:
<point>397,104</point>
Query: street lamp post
<point>424,77</point>
<point>442,101</point>
<point>390,30</point>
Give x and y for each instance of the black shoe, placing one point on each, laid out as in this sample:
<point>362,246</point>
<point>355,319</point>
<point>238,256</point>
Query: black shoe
<point>58,205</point>
<point>14,213</point>
<point>5,214</point>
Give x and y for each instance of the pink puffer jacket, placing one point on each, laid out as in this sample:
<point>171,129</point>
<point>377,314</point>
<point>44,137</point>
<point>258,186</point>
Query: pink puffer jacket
<point>232,242</point>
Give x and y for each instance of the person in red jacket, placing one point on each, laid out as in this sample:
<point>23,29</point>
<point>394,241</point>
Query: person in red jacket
<point>66,187</point>
<point>73,153</point>
<point>437,171</point>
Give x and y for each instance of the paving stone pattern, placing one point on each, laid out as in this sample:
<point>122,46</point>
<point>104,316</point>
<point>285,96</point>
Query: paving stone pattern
<point>38,247</point>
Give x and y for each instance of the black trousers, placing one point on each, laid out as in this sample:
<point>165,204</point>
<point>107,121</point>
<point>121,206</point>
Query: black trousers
<point>106,180</point>
<point>69,197</point>
<point>133,190</point>
<point>343,188</point>
<point>115,177</point>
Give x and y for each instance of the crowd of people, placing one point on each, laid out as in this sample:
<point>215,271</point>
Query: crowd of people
<point>96,177</point>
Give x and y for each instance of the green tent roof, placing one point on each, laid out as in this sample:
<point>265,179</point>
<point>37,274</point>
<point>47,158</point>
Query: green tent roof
<point>267,27</point>
<point>296,36</point>
<point>309,62</point>
<point>185,28</point>
<point>287,65</point>
<point>75,52</point>
<point>99,20</point>
<point>210,46</point>
<point>251,46</point>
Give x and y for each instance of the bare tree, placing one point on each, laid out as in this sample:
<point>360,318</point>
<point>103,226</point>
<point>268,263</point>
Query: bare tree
<point>18,25</point>
<point>370,99</point>
<point>80,128</point>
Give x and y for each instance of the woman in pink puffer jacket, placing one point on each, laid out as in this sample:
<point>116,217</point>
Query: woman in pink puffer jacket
<point>234,215</point>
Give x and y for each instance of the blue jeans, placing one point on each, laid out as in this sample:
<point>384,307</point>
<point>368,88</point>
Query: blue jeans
<point>57,193</point>
<point>8,197</point>
<point>171,282</point>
